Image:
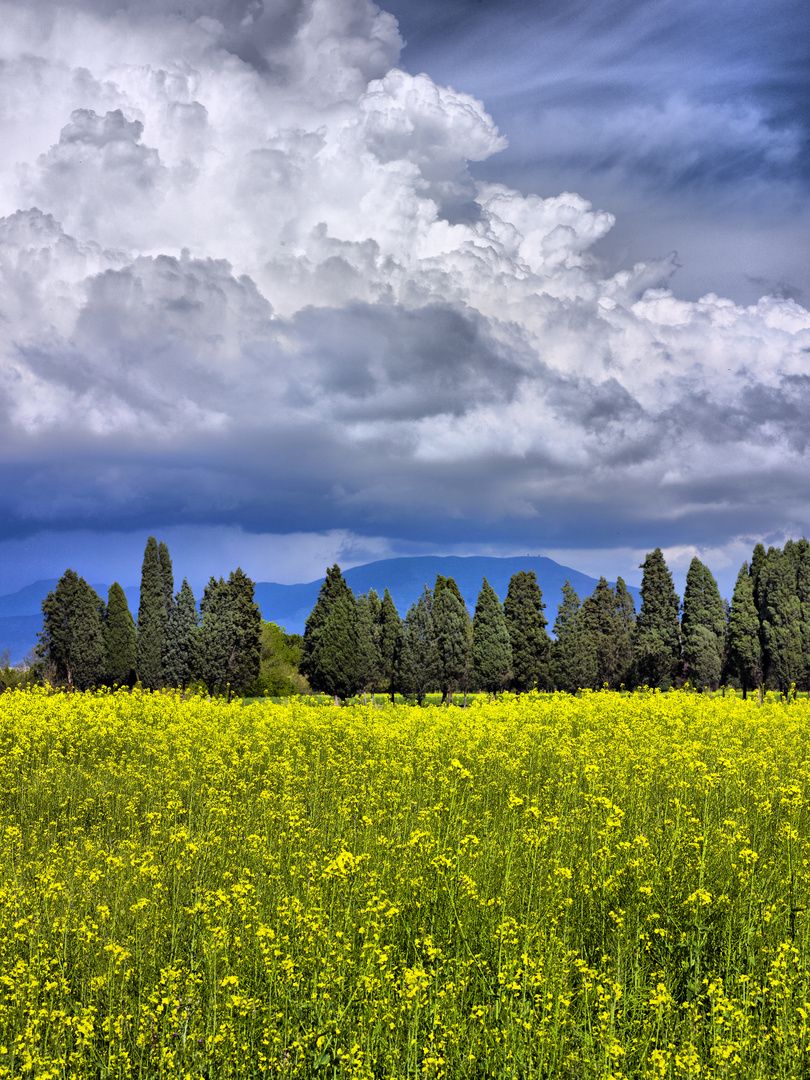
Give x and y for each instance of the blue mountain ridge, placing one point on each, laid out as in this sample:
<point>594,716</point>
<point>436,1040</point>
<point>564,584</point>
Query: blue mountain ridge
<point>289,605</point>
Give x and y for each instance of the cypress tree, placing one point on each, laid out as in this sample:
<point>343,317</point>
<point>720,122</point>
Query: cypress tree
<point>390,643</point>
<point>211,642</point>
<point>120,652</point>
<point>72,637</point>
<point>626,628</point>
<point>703,627</point>
<point>244,655</point>
<point>369,660</point>
<point>178,645</point>
<point>337,668</point>
<point>450,619</point>
<point>600,619</point>
<point>151,619</point>
<point>780,620</point>
<point>528,638</point>
<point>744,647</point>
<point>334,586</point>
<point>657,646</point>
<point>417,672</point>
<point>166,576</point>
<point>492,653</point>
<point>803,594</point>
<point>574,650</point>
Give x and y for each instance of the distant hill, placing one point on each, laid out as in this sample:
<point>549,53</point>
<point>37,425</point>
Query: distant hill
<point>289,605</point>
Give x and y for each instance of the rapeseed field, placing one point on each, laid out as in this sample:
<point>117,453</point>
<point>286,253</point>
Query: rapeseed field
<point>542,886</point>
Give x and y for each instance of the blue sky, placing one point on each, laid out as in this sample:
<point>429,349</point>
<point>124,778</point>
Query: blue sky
<point>287,282</point>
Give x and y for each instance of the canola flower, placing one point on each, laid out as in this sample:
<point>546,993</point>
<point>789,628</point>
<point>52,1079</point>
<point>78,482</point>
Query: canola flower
<point>542,886</point>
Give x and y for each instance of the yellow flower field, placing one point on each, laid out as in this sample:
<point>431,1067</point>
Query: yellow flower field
<point>544,886</point>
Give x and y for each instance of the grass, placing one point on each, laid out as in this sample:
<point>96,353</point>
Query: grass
<point>543,886</point>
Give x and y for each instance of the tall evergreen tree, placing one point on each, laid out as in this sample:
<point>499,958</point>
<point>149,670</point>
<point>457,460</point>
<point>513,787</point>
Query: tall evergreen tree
<point>626,610</point>
<point>703,627</point>
<point>72,638</point>
<point>211,643</point>
<point>120,651</point>
<point>744,646</point>
<point>151,619</point>
<point>390,643</point>
<point>333,587</point>
<point>528,638</point>
<point>492,652</point>
<point>780,620</point>
<point>337,667</point>
<point>573,654</point>
<point>658,647</point>
<point>450,619</point>
<point>601,620</point>
<point>369,659</point>
<point>166,576</point>
<point>417,672</point>
<point>244,658</point>
<point>178,644</point>
<point>802,559</point>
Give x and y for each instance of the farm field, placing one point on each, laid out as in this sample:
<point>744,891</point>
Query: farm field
<point>542,886</point>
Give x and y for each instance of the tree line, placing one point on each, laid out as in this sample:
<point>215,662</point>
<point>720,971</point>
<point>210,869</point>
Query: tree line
<point>361,645</point>
<point>85,642</point>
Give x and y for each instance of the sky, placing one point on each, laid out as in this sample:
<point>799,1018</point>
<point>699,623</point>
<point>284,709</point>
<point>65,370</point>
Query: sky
<point>289,282</point>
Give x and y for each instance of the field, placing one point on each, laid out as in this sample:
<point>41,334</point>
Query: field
<point>543,886</point>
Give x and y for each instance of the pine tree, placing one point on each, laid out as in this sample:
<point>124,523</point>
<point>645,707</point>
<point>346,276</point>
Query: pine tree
<point>333,588</point>
<point>703,627</point>
<point>390,643</point>
<point>178,644</point>
<point>450,620</point>
<point>151,619</point>
<point>72,637</point>
<point>120,650</point>
<point>492,652</point>
<point>417,672</point>
<point>211,642</point>
<point>573,656</point>
<point>803,593</point>
<point>744,647</point>
<point>528,638</point>
<point>658,647</point>
<point>369,660</point>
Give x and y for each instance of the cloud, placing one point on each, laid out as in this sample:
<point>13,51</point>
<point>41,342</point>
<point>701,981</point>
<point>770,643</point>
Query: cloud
<point>249,280</point>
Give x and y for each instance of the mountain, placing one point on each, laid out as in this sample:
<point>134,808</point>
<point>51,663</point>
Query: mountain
<point>289,605</point>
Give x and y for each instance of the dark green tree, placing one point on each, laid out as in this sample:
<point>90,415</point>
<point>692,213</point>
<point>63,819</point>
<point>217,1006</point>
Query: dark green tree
<point>211,642</point>
<point>626,610</point>
<point>802,560</point>
<point>151,619</point>
<point>178,644</point>
<point>657,652</point>
<point>744,646</point>
<point>601,621</point>
<point>332,589</point>
<point>166,576</point>
<point>573,654</point>
<point>450,618</point>
<point>390,643</point>
<point>369,660</point>
<point>780,620</point>
<point>492,652</point>
<point>337,667</point>
<point>418,663</point>
<point>703,627</point>
<point>244,656</point>
<point>72,636</point>
<point>528,638</point>
<point>120,651</point>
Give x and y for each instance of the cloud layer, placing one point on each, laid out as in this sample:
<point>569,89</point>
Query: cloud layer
<point>247,277</point>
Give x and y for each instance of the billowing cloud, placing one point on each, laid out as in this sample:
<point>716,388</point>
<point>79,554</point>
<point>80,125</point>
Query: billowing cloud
<point>248,279</point>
